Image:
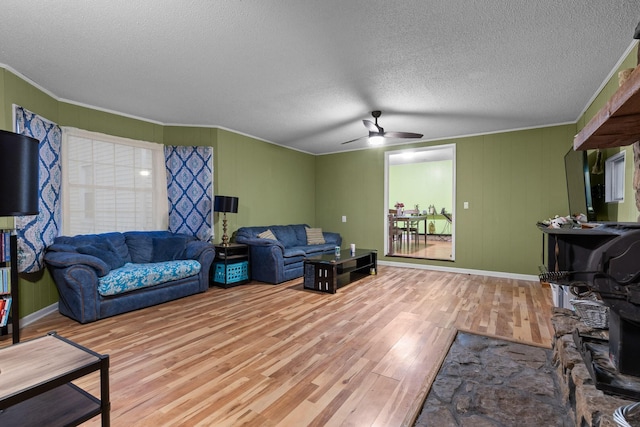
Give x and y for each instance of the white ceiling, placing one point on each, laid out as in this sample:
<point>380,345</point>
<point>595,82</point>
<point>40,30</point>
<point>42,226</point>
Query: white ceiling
<point>304,74</point>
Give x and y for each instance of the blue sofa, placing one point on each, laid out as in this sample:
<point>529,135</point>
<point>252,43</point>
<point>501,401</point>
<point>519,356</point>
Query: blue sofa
<point>276,261</point>
<point>101,275</point>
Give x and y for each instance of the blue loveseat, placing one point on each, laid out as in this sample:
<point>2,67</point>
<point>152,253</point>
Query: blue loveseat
<point>276,261</point>
<point>101,275</point>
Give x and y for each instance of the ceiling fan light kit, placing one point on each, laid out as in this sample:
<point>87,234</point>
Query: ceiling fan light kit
<point>376,140</point>
<point>377,133</point>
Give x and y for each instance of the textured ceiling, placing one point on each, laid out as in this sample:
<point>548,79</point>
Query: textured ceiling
<point>304,74</point>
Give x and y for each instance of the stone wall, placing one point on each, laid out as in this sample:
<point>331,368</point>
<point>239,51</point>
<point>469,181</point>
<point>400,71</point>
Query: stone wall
<point>590,406</point>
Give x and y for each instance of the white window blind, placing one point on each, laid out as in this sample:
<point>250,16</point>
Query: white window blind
<point>112,184</point>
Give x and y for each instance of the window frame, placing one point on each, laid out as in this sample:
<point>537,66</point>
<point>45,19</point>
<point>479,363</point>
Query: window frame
<point>614,171</point>
<point>158,217</point>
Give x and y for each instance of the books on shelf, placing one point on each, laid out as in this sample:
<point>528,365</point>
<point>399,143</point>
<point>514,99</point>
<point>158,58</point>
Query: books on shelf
<point>5,245</point>
<point>5,280</point>
<point>5,276</point>
<point>5,309</point>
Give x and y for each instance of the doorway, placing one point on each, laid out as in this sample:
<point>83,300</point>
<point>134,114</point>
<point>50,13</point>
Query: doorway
<point>420,202</point>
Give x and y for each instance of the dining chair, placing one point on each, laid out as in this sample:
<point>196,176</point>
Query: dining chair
<point>411,227</point>
<point>395,233</point>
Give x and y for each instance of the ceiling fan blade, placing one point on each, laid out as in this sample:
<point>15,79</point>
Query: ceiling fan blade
<point>354,140</point>
<point>371,126</point>
<point>402,135</point>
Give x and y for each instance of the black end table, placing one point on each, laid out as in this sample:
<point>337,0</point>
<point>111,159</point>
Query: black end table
<point>230,266</point>
<point>328,272</point>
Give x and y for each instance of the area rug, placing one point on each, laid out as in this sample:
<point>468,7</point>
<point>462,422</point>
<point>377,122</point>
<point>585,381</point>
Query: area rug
<point>490,382</point>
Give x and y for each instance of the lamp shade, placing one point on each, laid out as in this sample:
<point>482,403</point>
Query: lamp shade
<point>18,174</point>
<point>225,204</point>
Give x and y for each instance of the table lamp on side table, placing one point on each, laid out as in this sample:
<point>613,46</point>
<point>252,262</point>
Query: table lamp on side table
<point>19,157</point>
<point>225,204</point>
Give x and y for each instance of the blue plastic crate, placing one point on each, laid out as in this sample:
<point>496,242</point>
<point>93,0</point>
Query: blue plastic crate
<point>235,272</point>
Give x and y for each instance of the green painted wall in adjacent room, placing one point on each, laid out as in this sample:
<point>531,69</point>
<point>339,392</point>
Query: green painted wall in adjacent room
<point>424,184</point>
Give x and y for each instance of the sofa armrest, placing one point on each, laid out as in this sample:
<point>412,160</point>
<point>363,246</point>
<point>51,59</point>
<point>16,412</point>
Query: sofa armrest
<point>204,253</point>
<point>267,263</point>
<point>195,248</point>
<point>332,238</point>
<point>64,260</point>
<point>78,290</point>
<point>259,242</point>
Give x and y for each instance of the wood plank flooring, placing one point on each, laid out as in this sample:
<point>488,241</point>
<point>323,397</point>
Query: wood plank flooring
<point>279,355</point>
<point>416,248</point>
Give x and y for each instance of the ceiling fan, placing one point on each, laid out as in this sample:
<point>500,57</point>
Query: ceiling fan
<point>377,133</point>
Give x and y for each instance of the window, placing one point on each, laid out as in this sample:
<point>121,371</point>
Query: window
<point>614,178</point>
<point>111,184</point>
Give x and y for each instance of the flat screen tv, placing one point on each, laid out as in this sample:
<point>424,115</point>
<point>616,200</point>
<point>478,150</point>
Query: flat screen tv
<point>576,167</point>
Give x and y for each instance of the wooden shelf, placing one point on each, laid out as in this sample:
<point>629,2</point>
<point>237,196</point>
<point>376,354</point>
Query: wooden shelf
<point>617,123</point>
<point>36,386</point>
<point>47,408</point>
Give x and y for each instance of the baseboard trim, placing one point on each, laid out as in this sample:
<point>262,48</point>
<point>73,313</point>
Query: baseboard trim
<point>30,318</point>
<point>500,274</point>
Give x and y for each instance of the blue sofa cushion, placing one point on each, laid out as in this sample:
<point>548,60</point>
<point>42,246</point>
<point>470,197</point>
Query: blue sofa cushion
<point>115,241</point>
<point>105,251</point>
<point>136,276</point>
<point>140,243</point>
<point>287,235</point>
<point>167,248</point>
<point>316,249</point>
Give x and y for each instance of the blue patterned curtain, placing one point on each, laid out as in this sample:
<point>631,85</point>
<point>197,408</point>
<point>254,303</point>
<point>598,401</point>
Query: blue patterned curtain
<point>36,232</point>
<point>190,190</point>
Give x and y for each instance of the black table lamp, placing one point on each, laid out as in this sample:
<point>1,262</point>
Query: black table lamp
<point>225,204</point>
<point>18,196</point>
<point>18,174</point>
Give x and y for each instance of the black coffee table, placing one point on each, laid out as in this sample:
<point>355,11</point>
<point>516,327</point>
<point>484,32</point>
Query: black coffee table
<point>328,272</point>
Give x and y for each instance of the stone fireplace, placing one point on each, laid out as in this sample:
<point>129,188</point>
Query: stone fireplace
<point>590,405</point>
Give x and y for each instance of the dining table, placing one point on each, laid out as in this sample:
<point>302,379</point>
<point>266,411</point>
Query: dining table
<point>412,221</point>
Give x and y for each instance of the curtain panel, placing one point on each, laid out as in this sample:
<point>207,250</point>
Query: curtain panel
<point>36,232</point>
<point>190,190</point>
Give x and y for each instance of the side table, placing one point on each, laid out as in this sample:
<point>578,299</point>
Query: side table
<point>231,265</point>
<point>36,387</point>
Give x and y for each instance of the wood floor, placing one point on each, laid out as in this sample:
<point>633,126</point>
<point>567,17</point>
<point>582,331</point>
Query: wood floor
<point>434,249</point>
<point>265,355</point>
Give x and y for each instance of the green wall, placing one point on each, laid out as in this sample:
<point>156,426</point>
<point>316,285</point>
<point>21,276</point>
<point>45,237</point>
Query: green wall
<point>275,185</point>
<point>424,184</point>
<point>625,211</point>
<point>37,289</point>
<point>511,180</point>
